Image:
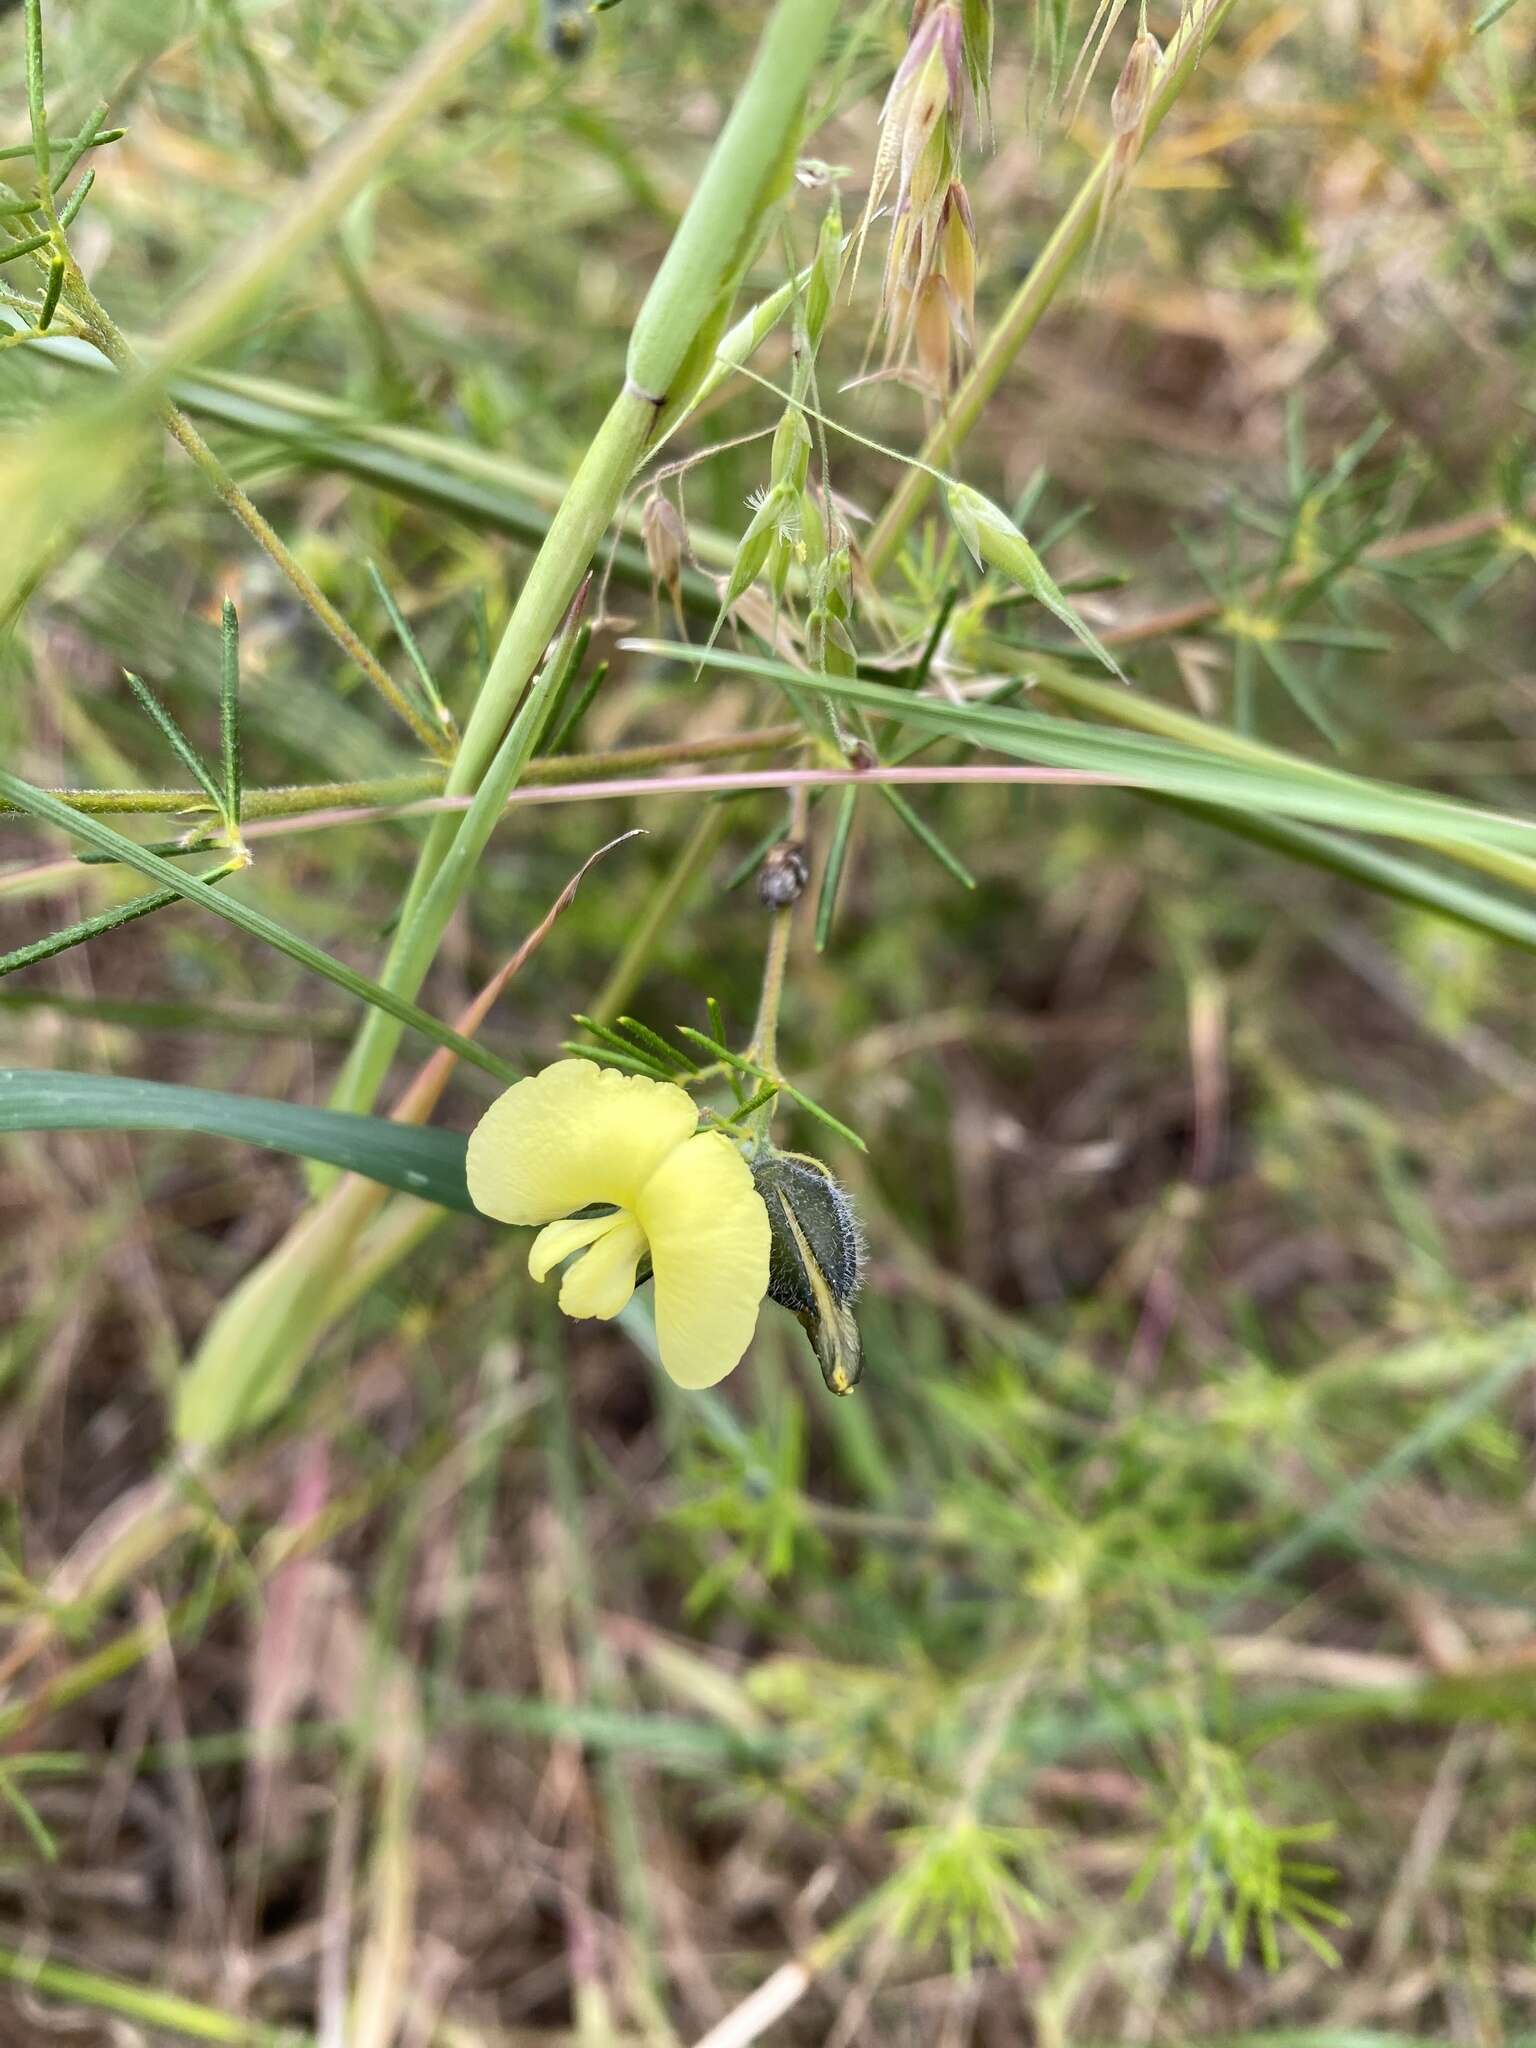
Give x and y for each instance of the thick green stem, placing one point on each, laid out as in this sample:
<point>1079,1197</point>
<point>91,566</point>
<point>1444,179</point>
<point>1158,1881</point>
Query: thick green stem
<point>717,235</point>
<point>572,541</point>
<point>705,259</point>
<point>294,800</point>
<point>1073,233</point>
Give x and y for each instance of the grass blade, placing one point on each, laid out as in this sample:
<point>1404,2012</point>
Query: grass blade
<point>37,803</point>
<point>417,1159</point>
<point>832,874</point>
<point>87,928</point>
<point>1264,780</point>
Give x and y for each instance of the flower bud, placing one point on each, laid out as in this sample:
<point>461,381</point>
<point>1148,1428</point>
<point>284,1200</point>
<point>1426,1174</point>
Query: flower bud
<point>781,558</point>
<point>756,544</point>
<point>815,1258</point>
<point>829,644</point>
<point>930,325</point>
<point>958,246</point>
<point>783,875</point>
<point>567,29</point>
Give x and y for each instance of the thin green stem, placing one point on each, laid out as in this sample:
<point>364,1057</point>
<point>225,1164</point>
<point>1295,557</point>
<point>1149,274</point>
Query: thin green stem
<point>765,1036</point>
<point>764,1049</point>
<point>692,858</point>
<point>690,289</point>
<point>295,800</point>
<point>145,2003</point>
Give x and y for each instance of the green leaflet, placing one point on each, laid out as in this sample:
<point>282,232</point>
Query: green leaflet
<point>419,1161</point>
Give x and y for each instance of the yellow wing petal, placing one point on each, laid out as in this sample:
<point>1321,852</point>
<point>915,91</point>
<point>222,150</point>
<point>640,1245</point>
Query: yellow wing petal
<point>602,1280</point>
<point>556,1241</point>
<point>709,1239</point>
<point>571,1135</point>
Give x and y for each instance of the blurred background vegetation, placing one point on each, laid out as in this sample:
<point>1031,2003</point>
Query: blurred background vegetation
<point>1147,1652</point>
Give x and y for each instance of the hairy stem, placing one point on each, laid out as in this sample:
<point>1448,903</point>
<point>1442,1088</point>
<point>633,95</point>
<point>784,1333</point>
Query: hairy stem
<point>292,801</point>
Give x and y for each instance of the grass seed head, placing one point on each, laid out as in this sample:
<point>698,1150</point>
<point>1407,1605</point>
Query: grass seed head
<point>1132,95</point>
<point>664,537</point>
<point>928,288</point>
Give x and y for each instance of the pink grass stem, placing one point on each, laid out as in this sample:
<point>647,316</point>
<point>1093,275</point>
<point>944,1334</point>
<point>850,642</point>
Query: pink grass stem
<point>689,785</point>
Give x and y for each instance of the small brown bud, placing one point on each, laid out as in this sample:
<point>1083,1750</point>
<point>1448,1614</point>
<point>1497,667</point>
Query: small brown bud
<point>782,878</point>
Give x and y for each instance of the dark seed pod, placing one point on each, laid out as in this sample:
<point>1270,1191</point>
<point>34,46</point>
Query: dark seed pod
<point>783,875</point>
<point>567,28</point>
<point>815,1259</point>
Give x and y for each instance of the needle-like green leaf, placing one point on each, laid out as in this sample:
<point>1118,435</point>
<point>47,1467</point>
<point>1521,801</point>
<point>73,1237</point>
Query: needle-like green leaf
<point>96,832</point>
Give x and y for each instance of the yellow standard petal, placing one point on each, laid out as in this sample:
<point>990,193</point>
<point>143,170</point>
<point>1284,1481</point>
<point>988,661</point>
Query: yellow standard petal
<point>572,1135</point>
<point>709,1238</point>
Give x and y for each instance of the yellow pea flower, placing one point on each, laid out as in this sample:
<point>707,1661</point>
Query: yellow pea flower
<point>576,1135</point>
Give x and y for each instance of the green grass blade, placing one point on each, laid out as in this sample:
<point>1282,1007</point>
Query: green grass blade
<point>837,856</point>
<point>416,1159</point>
<point>1389,874</point>
<point>431,696</point>
<point>925,836</point>
<point>1300,691</point>
<point>30,1820</point>
<point>225,1018</point>
<point>1280,783</point>
<point>144,2003</point>
<point>87,928</point>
